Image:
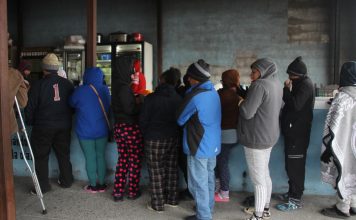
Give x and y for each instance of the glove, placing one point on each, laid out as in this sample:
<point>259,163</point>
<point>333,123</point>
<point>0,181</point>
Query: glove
<point>326,156</point>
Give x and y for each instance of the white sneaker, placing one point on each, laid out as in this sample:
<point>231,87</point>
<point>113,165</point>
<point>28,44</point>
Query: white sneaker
<point>251,210</point>
<point>254,217</point>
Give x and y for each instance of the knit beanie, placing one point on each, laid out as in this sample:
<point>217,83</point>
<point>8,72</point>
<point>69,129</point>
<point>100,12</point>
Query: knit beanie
<point>266,67</point>
<point>297,67</point>
<point>171,76</point>
<point>199,71</point>
<point>50,62</point>
<point>24,65</point>
<point>230,78</point>
<point>348,74</point>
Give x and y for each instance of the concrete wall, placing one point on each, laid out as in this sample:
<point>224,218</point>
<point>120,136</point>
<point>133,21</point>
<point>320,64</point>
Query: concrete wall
<point>227,34</point>
<point>347,35</point>
<point>231,34</point>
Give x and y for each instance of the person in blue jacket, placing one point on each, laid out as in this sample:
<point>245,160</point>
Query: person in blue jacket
<point>91,125</point>
<point>200,114</point>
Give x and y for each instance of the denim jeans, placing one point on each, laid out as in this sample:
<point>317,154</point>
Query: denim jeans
<point>201,183</point>
<point>222,166</point>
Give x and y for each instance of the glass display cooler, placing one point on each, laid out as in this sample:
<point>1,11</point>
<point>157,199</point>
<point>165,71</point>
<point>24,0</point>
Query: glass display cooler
<point>74,63</point>
<point>134,51</point>
<point>103,61</point>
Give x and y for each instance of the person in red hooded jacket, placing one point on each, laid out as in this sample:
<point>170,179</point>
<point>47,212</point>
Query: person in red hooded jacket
<point>138,84</point>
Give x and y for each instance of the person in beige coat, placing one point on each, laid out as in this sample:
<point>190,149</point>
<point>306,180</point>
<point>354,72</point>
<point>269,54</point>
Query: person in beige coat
<point>18,88</point>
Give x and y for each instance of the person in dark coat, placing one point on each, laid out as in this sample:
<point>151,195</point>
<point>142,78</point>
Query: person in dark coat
<point>161,134</point>
<point>49,114</point>
<point>127,133</point>
<point>296,122</point>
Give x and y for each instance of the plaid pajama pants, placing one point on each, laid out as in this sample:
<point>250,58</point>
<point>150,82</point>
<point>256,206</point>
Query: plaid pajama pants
<point>130,148</point>
<point>162,162</point>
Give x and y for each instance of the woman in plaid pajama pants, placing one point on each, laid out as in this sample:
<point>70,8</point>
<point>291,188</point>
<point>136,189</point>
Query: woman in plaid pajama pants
<point>161,134</point>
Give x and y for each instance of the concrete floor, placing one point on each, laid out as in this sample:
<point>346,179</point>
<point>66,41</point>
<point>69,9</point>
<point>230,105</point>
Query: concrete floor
<point>74,203</point>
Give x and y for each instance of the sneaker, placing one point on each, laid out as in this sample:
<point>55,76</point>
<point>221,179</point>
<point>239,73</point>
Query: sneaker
<point>149,207</point>
<point>220,198</point>
<point>289,206</point>
<point>132,196</point>
<point>171,204</point>
<point>254,217</point>
<point>101,187</point>
<point>282,197</point>
<point>90,189</point>
<point>334,212</point>
<point>353,211</point>
<point>60,184</point>
<point>251,210</point>
<point>118,198</point>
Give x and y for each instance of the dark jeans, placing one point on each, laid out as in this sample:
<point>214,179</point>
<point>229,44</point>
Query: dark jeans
<point>42,140</point>
<point>295,158</point>
<point>222,166</point>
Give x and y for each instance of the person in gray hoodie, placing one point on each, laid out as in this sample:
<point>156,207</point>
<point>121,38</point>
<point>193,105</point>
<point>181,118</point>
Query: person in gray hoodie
<point>258,131</point>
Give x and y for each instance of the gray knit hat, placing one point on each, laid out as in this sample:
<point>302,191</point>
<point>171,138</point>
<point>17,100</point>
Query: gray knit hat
<point>50,62</point>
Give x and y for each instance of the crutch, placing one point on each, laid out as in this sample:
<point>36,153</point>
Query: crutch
<point>30,168</point>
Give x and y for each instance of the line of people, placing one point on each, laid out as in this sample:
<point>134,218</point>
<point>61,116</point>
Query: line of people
<point>197,119</point>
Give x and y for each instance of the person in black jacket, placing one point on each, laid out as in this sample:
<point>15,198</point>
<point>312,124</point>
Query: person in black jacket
<point>161,134</point>
<point>127,133</point>
<point>50,116</point>
<point>296,122</point>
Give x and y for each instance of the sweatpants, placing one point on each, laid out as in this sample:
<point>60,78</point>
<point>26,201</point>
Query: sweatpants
<point>344,205</point>
<point>162,165</point>
<point>295,158</point>
<point>42,140</point>
<point>222,166</point>
<point>257,163</point>
<point>95,164</point>
<point>129,142</point>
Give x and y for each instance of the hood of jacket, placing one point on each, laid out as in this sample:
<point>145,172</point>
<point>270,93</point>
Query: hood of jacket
<point>93,76</point>
<point>348,74</point>
<point>266,66</point>
<point>123,69</point>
